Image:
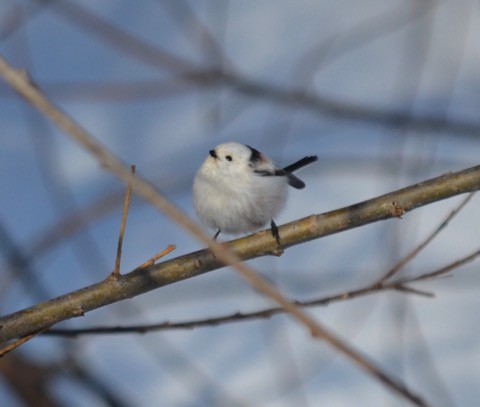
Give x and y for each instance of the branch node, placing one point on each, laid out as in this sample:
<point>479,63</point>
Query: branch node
<point>398,210</point>
<point>79,312</point>
<point>278,251</point>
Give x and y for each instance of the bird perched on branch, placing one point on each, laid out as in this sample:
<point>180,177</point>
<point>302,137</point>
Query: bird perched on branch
<point>238,189</point>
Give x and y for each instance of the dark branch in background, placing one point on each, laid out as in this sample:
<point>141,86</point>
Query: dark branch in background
<point>330,107</point>
<point>17,260</point>
<point>72,223</point>
<point>17,16</point>
<point>30,381</point>
<point>199,33</point>
<point>186,71</point>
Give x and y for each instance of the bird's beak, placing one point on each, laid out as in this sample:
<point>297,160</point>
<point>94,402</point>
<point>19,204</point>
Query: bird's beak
<point>213,153</point>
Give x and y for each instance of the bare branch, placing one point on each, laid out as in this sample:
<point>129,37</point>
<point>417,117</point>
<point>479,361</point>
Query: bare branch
<point>374,288</point>
<point>444,270</point>
<point>423,244</point>
<point>152,261</point>
<point>225,319</point>
<point>116,271</point>
<point>257,245</point>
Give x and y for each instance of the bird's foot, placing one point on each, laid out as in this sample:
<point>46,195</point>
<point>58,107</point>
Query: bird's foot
<point>278,250</point>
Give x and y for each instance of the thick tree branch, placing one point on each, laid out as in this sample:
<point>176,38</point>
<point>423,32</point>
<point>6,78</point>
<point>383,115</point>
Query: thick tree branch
<point>371,289</point>
<point>260,244</point>
<point>383,284</point>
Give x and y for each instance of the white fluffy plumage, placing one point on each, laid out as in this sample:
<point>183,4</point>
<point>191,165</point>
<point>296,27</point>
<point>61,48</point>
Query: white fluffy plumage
<point>238,189</point>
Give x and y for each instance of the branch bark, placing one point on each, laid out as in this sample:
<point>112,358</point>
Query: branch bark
<point>394,204</point>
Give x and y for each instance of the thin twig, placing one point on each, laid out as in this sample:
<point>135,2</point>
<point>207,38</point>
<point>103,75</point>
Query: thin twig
<point>443,270</point>
<point>19,342</point>
<point>406,289</point>
<point>152,261</point>
<point>423,244</point>
<point>126,206</point>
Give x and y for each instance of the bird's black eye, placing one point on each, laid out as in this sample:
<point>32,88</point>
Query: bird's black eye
<point>228,158</point>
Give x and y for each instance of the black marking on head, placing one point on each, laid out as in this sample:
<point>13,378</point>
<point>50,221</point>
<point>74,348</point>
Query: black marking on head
<point>213,153</point>
<point>256,155</point>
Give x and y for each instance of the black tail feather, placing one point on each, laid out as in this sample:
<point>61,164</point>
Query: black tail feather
<point>301,163</point>
<point>292,179</point>
<point>295,182</point>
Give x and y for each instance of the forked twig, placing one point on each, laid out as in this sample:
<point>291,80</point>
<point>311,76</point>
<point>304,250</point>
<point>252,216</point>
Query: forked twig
<point>444,270</point>
<point>151,262</point>
<point>395,269</point>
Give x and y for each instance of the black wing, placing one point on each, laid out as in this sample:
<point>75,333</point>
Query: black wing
<point>293,181</point>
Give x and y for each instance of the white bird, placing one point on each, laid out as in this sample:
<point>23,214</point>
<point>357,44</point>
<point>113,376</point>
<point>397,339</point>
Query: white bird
<point>238,189</point>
